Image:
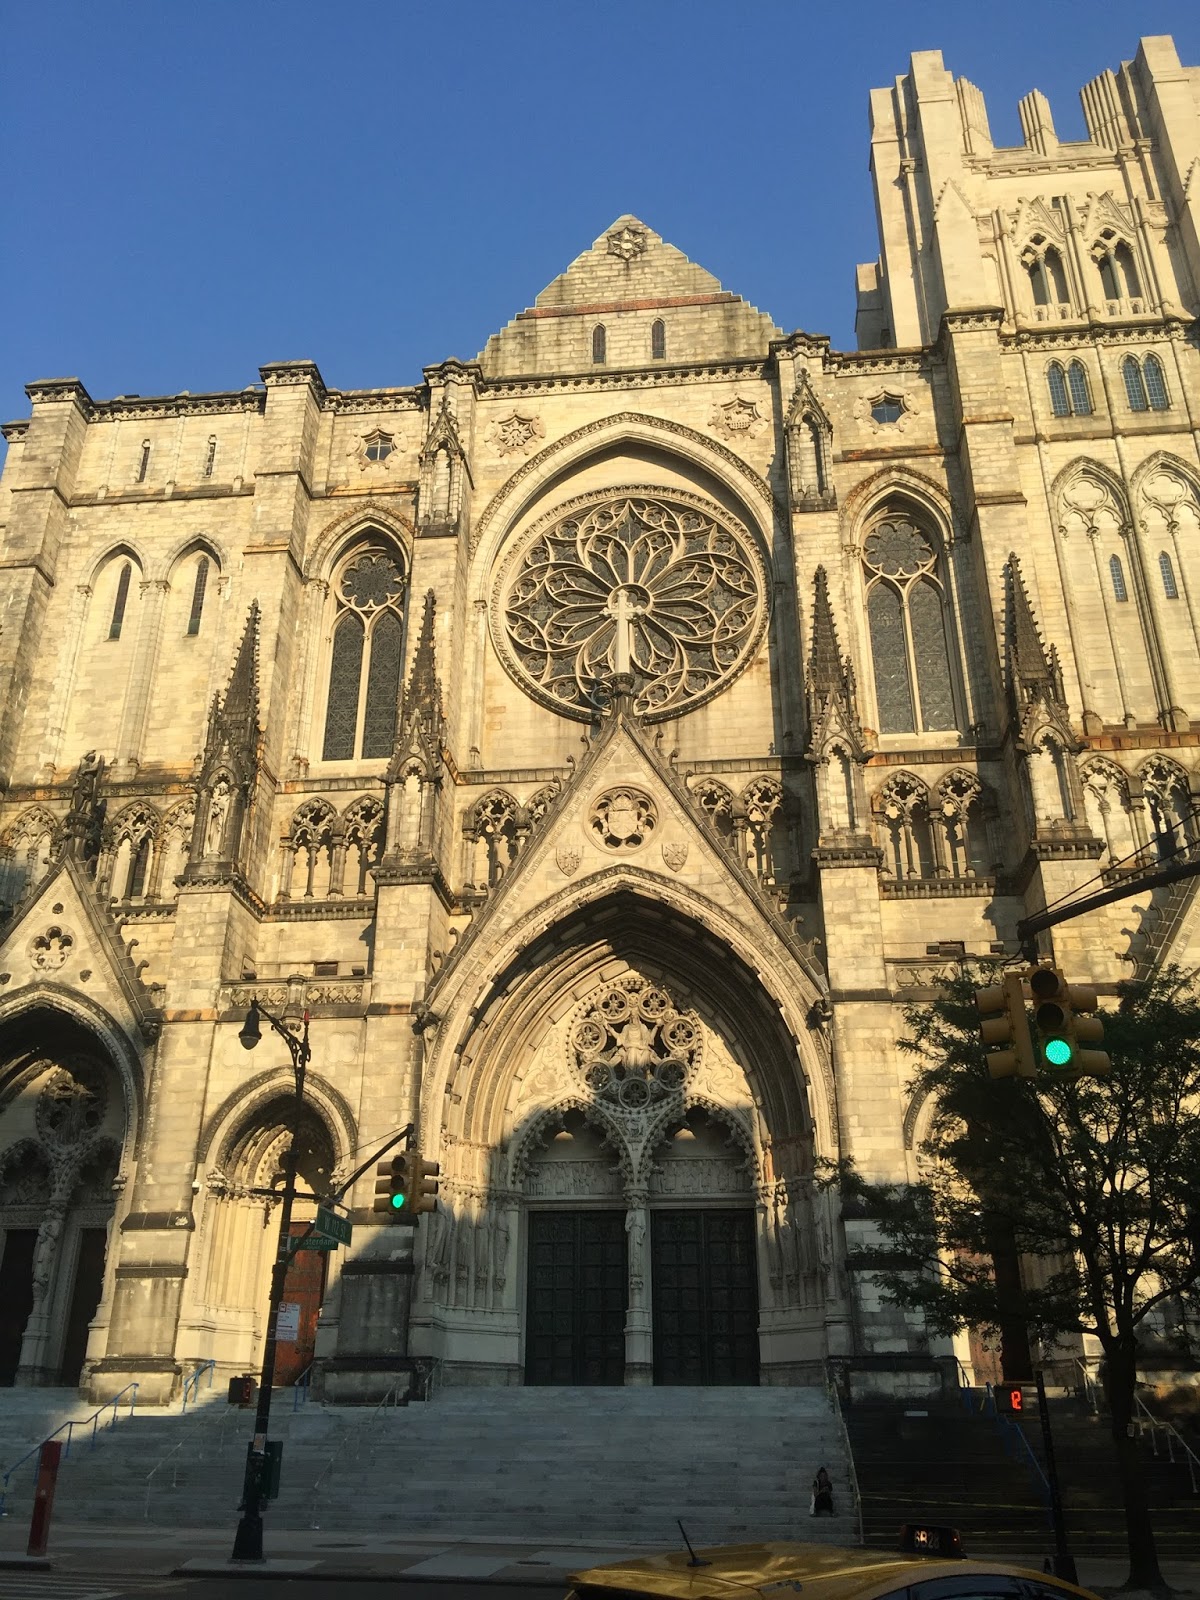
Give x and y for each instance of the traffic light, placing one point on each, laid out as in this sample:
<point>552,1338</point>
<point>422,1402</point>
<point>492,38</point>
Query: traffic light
<point>1064,1028</point>
<point>1004,1022</point>
<point>406,1186</point>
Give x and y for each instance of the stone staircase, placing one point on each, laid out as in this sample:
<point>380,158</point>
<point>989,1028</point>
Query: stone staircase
<point>948,1465</point>
<point>592,1464</point>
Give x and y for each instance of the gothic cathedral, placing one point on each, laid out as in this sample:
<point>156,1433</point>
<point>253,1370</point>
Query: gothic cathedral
<point>600,742</point>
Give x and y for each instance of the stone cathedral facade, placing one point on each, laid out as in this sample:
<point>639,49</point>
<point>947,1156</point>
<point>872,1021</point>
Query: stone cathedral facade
<point>600,740</point>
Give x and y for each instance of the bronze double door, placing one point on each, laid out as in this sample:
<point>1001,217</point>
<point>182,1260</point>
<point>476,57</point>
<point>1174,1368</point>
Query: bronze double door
<point>704,1302</point>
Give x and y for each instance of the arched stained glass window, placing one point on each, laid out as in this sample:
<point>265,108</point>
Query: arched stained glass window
<point>906,618</point>
<point>1156,383</point>
<point>1081,395</point>
<point>1165,566</point>
<point>658,340</point>
<point>1135,388</point>
<point>1057,383</point>
<point>1117,573</point>
<point>120,602</point>
<point>198,588</point>
<point>599,344</point>
<point>362,706</point>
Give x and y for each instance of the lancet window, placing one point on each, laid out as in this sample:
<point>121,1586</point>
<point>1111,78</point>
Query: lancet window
<point>120,601</point>
<point>1106,805</point>
<point>1117,573</point>
<point>25,854</point>
<point>361,847</point>
<point>658,340</point>
<point>758,816</point>
<point>1070,392</point>
<point>907,839</point>
<point>366,657</point>
<point>909,627</point>
<point>1118,271</point>
<point>130,846</point>
<point>199,586</point>
<point>493,825</point>
<point>599,344</point>
<point>1167,569</point>
<point>308,853</point>
<point>716,802</point>
<point>1047,277</point>
<point>1145,384</point>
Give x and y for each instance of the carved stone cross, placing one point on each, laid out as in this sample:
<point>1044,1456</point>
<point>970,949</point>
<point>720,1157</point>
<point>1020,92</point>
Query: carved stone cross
<point>626,602</point>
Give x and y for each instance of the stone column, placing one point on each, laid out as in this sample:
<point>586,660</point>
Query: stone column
<point>639,1337</point>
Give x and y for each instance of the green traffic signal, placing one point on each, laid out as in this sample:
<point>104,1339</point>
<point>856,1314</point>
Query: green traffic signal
<point>1058,1052</point>
<point>398,1201</point>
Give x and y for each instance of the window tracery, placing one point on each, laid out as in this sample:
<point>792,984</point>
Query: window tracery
<point>362,845</point>
<point>908,628</point>
<point>669,592</point>
<point>308,852</point>
<point>633,1045</point>
<point>130,843</point>
<point>759,811</point>
<point>493,824</point>
<point>1118,273</point>
<point>1070,392</point>
<point>25,853</point>
<point>960,821</point>
<point>1108,810</point>
<point>716,802</point>
<point>1145,384</point>
<point>1170,806</point>
<point>1047,279</point>
<point>361,708</point>
<point>903,810</point>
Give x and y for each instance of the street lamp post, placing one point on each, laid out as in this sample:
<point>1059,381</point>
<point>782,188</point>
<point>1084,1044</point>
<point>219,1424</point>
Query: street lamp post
<point>248,1541</point>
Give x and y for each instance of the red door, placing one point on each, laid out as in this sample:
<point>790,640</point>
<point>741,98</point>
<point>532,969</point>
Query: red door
<point>304,1286</point>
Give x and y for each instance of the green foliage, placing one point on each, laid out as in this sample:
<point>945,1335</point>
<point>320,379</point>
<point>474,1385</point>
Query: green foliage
<point>1098,1181</point>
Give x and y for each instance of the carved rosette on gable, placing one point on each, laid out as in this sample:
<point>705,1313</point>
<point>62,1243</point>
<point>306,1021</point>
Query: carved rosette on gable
<point>835,738</point>
<point>1043,738</point>
<point>229,768</point>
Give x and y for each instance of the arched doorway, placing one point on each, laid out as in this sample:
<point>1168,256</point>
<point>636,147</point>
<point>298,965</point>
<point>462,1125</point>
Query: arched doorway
<point>627,1163</point>
<point>62,1131</point>
<point>240,1233</point>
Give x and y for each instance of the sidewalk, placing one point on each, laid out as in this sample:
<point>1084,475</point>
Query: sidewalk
<point>140,1551</point>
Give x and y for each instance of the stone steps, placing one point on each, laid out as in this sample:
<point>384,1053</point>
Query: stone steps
<point>603,1464</point>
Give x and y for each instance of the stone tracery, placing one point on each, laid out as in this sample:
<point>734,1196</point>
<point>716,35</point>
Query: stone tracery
<point>668,591</point>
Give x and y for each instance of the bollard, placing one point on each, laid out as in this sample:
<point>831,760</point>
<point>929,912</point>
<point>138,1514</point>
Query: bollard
<point>43,1497</point>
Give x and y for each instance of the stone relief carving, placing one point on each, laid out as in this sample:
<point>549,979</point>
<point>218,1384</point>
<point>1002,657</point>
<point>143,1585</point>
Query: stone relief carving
<point>622,819</point>
<point>570,1180</point>
<point>675,853</point>
<point>73,1103</point>
<point>701,1175</point>
<point>514,434</point>
<point>632,1046</point>
<point>670,592</point>
<point>737,419</point>
<point>627,242</point>
<point>568,861</point>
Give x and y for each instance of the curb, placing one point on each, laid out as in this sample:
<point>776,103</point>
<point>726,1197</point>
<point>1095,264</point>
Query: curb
<point>292,1571</point>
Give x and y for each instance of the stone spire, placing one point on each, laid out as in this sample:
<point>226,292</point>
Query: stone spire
<point>1033,671</point>
<point>831,688</point>
<point>230,762</point>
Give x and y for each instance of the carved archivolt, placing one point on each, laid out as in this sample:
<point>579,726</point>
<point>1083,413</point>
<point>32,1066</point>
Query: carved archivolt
<point>668,590</point>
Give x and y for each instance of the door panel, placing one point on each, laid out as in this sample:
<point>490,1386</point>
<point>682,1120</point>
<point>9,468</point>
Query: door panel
<point>575,1323</point>
<point>304,1286</point>
<point>705,1276</point>
<point>16,1297</point>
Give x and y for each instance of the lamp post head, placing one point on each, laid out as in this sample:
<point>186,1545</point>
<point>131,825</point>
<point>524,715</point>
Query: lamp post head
<point>251,1031</point>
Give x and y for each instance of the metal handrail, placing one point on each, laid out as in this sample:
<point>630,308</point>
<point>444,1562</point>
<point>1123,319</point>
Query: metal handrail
<point>173,1454</point>
<point>1143,1417</point>
<point>392,1397</point>
<point>1007,1430</point>
<point>69,1428</point>
<point>835,1401</point>
<point>193,1383</point>
<point>1090,1387</point>
<point>300,1387</point>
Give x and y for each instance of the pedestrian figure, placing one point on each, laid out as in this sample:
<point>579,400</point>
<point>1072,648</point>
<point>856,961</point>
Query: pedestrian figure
<point>822,1494</point>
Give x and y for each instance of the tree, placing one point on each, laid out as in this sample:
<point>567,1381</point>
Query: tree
<point>1096,1180</point>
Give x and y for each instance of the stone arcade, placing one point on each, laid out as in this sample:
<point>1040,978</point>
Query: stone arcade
<point>601,739</point>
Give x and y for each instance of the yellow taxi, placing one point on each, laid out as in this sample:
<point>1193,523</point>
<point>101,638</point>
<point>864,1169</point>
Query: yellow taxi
<point>932,1567</point>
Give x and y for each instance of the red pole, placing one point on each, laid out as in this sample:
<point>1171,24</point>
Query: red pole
<point>43,1497</point>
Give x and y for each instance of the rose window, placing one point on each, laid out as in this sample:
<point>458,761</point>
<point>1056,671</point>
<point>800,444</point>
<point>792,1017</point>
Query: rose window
<point>633,1045</point>
<point>669,593</point>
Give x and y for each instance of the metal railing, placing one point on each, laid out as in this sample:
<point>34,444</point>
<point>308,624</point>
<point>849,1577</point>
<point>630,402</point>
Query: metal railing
<point>192,1385</point>
<point>835,1402</point>
<point>300,1387</point>
<point>1144,1419</point>
<point>1015,1443</point>
<point>390,1399</point>
<point>1091,1389</point>
<point>194,1442</point>
<point>69,1428</point>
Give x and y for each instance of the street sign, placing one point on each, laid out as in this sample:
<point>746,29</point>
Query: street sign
<point>287,1321</point>
<point>331,1226</point>
<point>314,1241</point>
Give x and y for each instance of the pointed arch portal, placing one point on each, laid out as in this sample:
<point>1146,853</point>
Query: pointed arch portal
<point>627,1156</point>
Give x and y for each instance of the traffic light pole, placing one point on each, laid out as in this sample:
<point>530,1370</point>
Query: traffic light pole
<point>248,1541</point>
<point>1064,1561</point>
<point>1029,927</point>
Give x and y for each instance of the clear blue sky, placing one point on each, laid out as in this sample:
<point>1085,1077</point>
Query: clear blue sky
<point>194,189</point>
